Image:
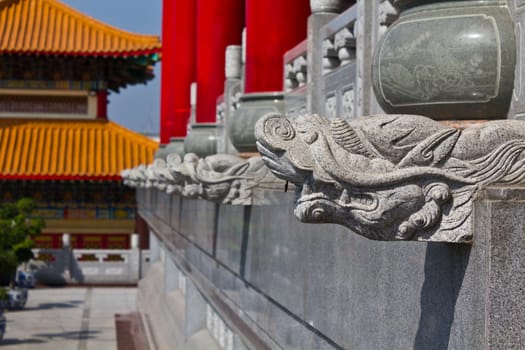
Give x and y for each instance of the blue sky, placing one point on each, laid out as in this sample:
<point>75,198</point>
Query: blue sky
<point>136,107</point>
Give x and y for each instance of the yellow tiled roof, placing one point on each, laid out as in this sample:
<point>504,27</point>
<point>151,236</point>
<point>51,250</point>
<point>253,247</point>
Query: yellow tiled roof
<point>49,26</point>
<point>68,149</point>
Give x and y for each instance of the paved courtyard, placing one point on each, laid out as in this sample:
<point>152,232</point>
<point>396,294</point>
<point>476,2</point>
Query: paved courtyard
<point>68,319</point>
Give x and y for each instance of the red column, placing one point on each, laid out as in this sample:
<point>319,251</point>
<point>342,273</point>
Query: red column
<point>178,66</point>
<point>272,28</point>
<point>141,227</point>
<point>102,104</point>
<point>219,24</point>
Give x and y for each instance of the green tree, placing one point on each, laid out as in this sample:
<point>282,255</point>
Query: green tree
<point>17,228</point>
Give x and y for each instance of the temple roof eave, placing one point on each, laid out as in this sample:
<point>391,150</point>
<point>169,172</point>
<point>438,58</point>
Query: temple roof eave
<point>27,27</point>
<point>69,149</point>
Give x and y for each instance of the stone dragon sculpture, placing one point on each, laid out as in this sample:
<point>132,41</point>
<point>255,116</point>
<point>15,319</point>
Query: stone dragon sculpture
<point>220,178</point>
<point>391,177</point>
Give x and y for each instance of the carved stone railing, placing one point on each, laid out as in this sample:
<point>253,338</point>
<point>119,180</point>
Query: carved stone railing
<point>89,265</point>
<point>339,65</point>
<point>222,134</point>
<point>339,40</point>
<point>348,43</point>
<point>101,256</point>
<point>220,178</point>
<point>295,78</point>
<point>232,91</point>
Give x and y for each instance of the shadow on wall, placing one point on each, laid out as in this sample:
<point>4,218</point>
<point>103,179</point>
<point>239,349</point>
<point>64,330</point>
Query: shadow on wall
<point>439,293</point>
<point>53,274</point>
<point>74,269</point>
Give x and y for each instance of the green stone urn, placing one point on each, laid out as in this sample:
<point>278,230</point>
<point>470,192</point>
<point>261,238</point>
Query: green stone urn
<point>176,145</point>
<point>201,139</point>
<point>448,60</point>
<point>252,107</point>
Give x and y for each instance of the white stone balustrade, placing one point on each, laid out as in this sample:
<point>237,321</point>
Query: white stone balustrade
<point>92,265</point>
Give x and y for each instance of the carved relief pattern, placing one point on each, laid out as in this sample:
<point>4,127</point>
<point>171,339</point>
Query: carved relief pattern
<point>435,68</point>
<point>359,34</point>
<point>519,3</point>
<point>220,178</point>
<point>299,66</point>
<point>331,107</point>
<point>518,82</point>
<point>391,177</point>
<point>344,43</point>
<point>330,58</point>
<point>295,73</point>
<point>348,103</point>
<point>290,80</point>
<point>387,15</point>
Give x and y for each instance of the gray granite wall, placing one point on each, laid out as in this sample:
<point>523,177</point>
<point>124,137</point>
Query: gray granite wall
<point>279,283</point>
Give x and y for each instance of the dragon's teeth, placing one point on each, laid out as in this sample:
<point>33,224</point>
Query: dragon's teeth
<point>345,198</point>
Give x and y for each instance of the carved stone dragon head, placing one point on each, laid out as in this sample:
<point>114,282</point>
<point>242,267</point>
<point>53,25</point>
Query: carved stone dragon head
<point>219,178</point>
<point>391,177</point>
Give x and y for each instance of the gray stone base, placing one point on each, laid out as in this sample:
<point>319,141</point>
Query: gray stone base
<point>164,314</point>
<point>276,283</point>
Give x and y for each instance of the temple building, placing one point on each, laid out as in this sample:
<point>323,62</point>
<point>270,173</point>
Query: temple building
<point>57,67</point>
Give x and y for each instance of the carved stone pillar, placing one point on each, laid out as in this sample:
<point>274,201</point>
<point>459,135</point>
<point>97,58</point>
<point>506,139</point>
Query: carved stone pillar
<point>233,64</point>
<point>323,11</point>
<point>232,90</point>
<point>367,36</point>
<point>498,225</point>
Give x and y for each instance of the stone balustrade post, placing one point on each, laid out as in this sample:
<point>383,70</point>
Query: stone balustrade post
<point>134,258</point>
<point>67,253</point>
<point>323,11</point>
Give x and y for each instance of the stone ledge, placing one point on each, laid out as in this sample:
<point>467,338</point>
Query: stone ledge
<point>131,334</point>
<point>502,193</point>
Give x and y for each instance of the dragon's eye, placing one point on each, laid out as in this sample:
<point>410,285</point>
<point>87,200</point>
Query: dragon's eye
<point>311,138</point>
